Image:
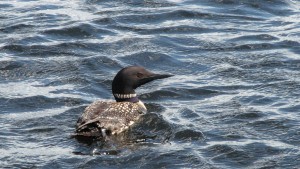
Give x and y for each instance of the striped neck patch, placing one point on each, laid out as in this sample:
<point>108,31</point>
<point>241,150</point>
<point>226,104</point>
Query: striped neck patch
<point>124,96</point>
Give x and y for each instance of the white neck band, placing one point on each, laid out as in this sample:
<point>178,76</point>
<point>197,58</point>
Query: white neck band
<point>124,96</point>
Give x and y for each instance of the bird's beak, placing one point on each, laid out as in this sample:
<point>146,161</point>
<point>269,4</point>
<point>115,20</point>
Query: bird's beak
<point>152,76</point>
<point>159,76</point>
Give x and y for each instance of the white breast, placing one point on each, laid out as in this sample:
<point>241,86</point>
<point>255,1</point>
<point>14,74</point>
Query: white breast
<point>142,107</point>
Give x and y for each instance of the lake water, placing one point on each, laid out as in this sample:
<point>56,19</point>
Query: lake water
<point>234,101</point>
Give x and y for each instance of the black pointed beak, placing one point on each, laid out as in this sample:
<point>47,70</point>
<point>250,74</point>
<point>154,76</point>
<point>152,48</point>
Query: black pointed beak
<point>160,76</point>
<point>152,77</point>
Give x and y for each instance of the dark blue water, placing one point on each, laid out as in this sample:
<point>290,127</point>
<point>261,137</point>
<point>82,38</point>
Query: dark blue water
<point>234,102</point>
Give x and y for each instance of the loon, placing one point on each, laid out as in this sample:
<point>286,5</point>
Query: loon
<point>105,118</point>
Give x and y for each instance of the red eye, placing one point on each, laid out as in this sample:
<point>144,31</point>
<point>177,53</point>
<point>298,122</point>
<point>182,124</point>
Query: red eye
<point>139,75</point>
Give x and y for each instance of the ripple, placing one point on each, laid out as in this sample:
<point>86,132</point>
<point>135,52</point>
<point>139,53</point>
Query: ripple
<point>235,157</point>
<point>34,114</point>
<point>153,107</point>
<point>155,18</point>
<point>40,129</point>
<point>6,5</point>
<point>18,28</point>
<point>150,59</point>
<point>9,65</point>
<point>29,69</point>
<point>245,47</point>
<point>164,30</point>
<point>188,113</point>
<point>189,135</point>
<point>177,15</point>
<point>236,154</point>
<point>291,108</point>
<point>179,94</point>
<point>78,31</point>
<point>259,37</point>
<point>153,123</point>
<point>32,103</point>
<point>258,100</point>
<point>256,5</point>
<point>39,50</point>
<point>162,62</point>
<point>249,115</point>
<point>278,127</point>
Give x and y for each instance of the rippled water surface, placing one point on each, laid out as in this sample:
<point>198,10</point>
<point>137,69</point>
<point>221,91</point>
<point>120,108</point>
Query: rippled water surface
<point>234,102</point>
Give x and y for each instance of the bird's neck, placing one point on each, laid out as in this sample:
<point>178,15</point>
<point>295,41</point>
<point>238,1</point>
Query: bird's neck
<point>131,98</point>
<point>126,97</point>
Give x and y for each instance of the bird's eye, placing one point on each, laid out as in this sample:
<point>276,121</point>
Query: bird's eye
<point>139,75</point>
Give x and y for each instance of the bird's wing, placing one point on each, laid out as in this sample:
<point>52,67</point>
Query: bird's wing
<point>92,112</point>
<point>114,116</point>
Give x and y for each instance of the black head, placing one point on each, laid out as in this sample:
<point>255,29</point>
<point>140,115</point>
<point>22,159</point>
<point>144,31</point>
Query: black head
<point>129,78</point>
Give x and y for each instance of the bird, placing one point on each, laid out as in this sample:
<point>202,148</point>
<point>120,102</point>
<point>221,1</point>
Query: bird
<point>106,118</point>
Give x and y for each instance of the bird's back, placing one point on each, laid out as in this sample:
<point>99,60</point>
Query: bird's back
<point>113,117</point>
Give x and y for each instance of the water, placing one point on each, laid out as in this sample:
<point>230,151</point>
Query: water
<point>234,102</point>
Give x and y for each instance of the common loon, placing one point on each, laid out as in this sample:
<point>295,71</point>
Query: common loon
<point>104,118</point>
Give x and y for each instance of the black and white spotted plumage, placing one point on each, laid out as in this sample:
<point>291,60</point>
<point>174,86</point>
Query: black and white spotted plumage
<point>114,117</point>
<point>104,118</point>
